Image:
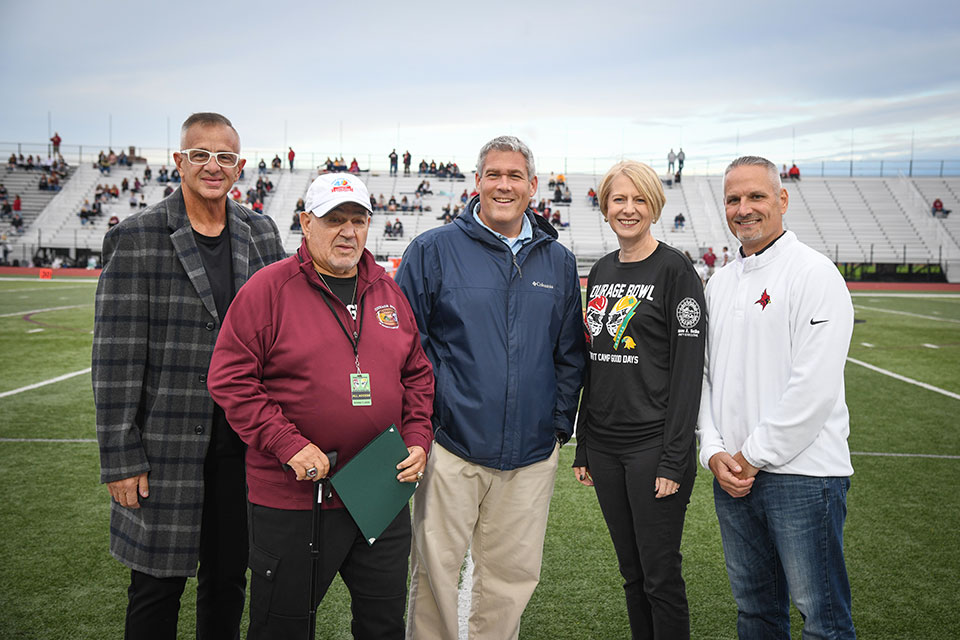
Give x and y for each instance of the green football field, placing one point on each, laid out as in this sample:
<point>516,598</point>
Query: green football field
<point>57,579</point>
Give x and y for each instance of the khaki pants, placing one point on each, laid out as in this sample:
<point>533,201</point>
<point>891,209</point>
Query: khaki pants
<point>502,515</point>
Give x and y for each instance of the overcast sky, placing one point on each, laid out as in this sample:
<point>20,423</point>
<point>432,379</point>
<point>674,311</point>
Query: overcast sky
<point>788,80</point>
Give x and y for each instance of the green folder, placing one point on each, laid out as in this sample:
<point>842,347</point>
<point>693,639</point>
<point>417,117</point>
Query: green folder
<point>369,487</point>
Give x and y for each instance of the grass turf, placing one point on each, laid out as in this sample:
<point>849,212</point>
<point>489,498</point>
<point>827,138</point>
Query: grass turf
<point>901,536</point>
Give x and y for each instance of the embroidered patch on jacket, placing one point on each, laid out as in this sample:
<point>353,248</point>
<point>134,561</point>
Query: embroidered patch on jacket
<point>764,300</point>
<point>387,316</point>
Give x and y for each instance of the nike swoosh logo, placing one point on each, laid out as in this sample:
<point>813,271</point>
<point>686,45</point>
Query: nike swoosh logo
<point>812,321</point>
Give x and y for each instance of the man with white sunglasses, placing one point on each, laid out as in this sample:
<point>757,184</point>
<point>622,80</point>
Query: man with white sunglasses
<point>172,465</point>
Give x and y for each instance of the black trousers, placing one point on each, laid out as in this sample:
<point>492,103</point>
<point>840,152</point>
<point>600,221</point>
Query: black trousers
<point>375,575</point>
<point>646,534</point>
<point>153,604</point>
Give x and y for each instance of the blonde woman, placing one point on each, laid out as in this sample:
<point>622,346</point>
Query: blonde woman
<point>646,324</point>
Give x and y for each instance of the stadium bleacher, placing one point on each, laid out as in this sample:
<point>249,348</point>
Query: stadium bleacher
<point>859,220</point>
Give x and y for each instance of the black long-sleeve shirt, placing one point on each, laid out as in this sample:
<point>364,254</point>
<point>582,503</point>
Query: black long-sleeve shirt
<point>647,325</point>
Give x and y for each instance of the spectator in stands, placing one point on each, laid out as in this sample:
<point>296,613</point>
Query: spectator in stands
<point>393,162</point>
<point>422,170</point>
<point>12,162</point>
<point>123,159</point>
<point>163,175</point>
<point>295,225</point>
<point>17,223</point>
<point>147,174</point>
<point>55,140</point>
<point>566,196</point>
<point>592,197</point>
<point>114,192</point>
<point>552,182</point>
<point>557,194</point>
<point>794,173</point>
<point>3,193</point>
<point>167,190</point>
<point>937,209</point>
<point>235,194</point>
<point>276,163</point>
<point>113,221</point>
<point>671,161</point>
<point>43,184</point>
<point>175,176</point>
<point>397,228</point>
<point>404,204</point>
<point>143,201</point>
<point>710,259</point>
<point>133,199</point>
<point>464,197</point>
<point>433,168</point>
<point>561,179</point>
<point>784,173</point>
<point>392,203</point>
<point>262,167</point>
<point>104,163</point>
<point>417,204</point>
<point>86,212</point>
<point>6,210</point>
<point>681,156</point>
<point>725,257</point>
<point>112,158</point>
<point>354,166</point>
<point>17,204</point>
<point>290,156</point>
<point>124,185</point>
<point>676,177</point>
<point>382,203</point>
<point>679,221</point>
<point>137,186</point>
<point>406,162</point>
<point>388,229</point>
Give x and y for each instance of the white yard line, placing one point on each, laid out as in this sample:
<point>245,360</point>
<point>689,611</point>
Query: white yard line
<point>50,440</point>
<point>867,294</point>
<point>465,597</point>
<point>29,311</point>
<point>906,313</point>
<point>924,385</point>
<point>62,280</point>
<point>903,455</point>
<point>44,383</point>
<point>72,286</point>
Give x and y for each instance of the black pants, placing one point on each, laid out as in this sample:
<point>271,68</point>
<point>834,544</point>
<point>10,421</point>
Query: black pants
<point>646,534</point>
<point>280,565</point>
<point>153,604</point>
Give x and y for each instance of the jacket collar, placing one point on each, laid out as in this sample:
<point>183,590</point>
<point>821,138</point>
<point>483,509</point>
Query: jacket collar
<point>542,229</point>
<point>770,253</point>
<point>185,246</point>
<point>368,271</point>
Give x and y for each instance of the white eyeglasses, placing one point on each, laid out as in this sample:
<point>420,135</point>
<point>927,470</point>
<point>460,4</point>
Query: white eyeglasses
<point>226,159</point>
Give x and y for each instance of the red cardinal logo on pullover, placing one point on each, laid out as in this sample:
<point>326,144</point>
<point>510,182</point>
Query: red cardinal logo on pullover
<point>764,300</point>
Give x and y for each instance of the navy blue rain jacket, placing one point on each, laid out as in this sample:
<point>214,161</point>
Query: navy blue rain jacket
<point>505,336</point>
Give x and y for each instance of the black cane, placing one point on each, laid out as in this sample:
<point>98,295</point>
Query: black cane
<point>320,493</point>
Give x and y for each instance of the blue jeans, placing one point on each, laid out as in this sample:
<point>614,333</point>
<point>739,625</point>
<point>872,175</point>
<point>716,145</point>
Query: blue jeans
<point>785,539</point>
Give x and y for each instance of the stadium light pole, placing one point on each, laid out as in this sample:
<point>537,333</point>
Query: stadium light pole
<point>913,133</point>
<point>109,131</point>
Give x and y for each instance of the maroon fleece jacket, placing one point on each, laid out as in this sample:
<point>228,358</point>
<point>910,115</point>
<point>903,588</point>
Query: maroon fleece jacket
<point>281,371</point>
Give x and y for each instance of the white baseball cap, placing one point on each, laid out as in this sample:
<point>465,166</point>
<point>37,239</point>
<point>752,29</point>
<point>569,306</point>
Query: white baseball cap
<point>330,190</point>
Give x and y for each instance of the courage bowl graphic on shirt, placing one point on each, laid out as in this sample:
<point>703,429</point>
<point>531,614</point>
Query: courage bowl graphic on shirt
<point>620,317</point>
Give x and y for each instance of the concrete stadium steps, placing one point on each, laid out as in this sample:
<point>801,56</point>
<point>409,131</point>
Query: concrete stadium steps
<point>33,201</point>
<point>844,218</point>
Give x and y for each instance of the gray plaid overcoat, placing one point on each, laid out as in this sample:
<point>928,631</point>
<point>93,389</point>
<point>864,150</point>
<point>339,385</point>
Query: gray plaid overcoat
<point>154,331</point>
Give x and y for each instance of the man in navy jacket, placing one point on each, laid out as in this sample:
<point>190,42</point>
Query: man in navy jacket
<point>498,305</point>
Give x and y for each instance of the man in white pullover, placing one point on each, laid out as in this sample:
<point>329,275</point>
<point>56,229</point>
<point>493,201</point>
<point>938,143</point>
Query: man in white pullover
<point>773,422</point>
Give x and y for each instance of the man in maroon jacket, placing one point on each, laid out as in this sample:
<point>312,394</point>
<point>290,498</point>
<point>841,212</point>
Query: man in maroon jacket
<point>301,338</point>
